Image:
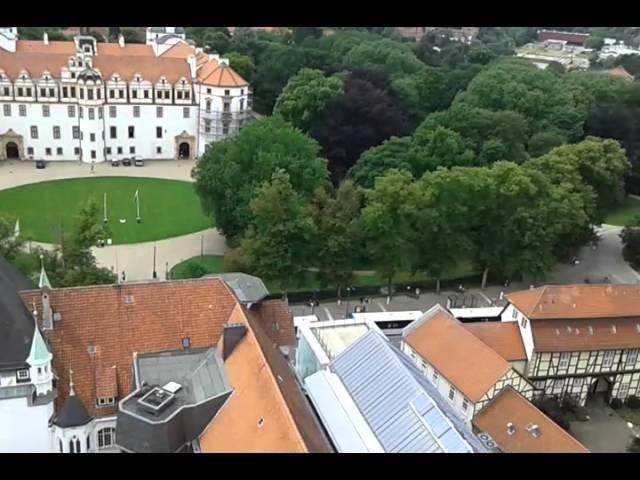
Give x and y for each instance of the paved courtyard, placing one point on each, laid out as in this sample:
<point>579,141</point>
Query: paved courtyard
<point>605,432</point>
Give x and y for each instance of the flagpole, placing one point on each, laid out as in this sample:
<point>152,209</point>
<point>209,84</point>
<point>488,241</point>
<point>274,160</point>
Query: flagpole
<point>138,207</point>
<point>105,208</point>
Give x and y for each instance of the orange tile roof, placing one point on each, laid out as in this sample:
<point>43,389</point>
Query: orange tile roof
<point>510,406</point>
<point>462,358</point>
<point>586,335</point>
<point>179,50</point>
<point>257,417</point>
<point>36,63</point>
<point>161,315</point>
<point>503,337</point>
<point>578,301</point>
<point>221,76</point>
<point>53,48</point>
<point>151,68</point>
<point>129,50</point>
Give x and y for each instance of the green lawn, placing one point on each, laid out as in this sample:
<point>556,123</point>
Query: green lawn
<point>624,214</point>
<point>168,208</point>
<point>215,264</point>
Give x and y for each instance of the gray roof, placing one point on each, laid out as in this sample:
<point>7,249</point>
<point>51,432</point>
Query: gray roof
<point>16,323</point>
<point>247,288</point>
<point>203,390</point>
<point>73,413</point>
<point>404,411</point>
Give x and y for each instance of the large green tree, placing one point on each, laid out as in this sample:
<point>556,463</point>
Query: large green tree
<point>277,244</point>
<point>337,235</point>
<point>229,172</point>
<point>243,64</point>
<point>391,57</point>
<point>305,97</point>
<point>9,244</point>
<point>389,224</point>
<point>398,153</point>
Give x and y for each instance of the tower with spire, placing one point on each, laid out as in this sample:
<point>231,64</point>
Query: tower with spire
<point>72,425</point>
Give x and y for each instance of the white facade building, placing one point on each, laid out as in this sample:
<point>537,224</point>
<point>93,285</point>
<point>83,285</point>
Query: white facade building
<point>95,102</point>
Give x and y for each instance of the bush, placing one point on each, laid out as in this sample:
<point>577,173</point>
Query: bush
<point>194,270</point>
<point>634,446</point>
<point>633,402</point>
<point>615,403</point>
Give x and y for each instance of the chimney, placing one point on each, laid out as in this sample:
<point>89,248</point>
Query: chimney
<point>47,312</point>
<point>191,60</point>
<point>121,40</point>
<point>511,429</point>
<point>45,38</point>
<point>231,336</point>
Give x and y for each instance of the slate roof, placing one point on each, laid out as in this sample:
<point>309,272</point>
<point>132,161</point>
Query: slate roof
<point>72,414</point>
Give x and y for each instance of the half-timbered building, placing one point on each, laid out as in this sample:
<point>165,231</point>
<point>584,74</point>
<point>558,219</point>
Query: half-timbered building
<point>580,340</point>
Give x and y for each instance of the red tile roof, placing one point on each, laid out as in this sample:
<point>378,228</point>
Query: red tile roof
<point>503,337</point>
<point>511,407</point>
<point>461,357</point>
<point>569,37</point>
<point>276,320</point>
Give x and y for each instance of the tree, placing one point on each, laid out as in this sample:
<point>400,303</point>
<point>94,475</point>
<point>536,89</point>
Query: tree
<point>305,97</point>
<point>131,36</point>
<point>36,33</point>
<point>276,246</point>
<point>386,55</point>
<point>543,142</point>
<point>394,153</point>
<point>9,244</point>
<point>363,117</point>
<point>389,224</point>
<point>337,233</point>
<point>98,36</point>
<point>229,171</point>
<point>441,147</point>
<point>217,42</point>
<point>592,88</point>
<point>302,33</point>
<point>241,64</point>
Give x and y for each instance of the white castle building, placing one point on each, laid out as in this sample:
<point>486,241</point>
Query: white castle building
<point>94,102</point>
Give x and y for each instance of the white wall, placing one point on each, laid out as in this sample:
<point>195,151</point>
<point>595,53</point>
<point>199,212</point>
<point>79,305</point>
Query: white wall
<point>512,314</point>
<point>24,429</point>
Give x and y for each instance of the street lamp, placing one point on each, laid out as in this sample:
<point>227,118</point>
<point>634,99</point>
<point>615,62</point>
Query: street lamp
<point>349,290</point>
<point>313,304</point>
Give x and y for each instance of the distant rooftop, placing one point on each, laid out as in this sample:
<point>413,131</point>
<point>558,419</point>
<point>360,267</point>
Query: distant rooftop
<point>247,288</point>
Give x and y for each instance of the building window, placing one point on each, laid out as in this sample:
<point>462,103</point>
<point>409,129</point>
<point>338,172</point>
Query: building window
<point>112,111</point>
<point>29,150</point>
<point>208,106</point>
<point>107,150</point>
<point>93,154</point>
<point>132,150</point>
<point>72,91</point>
<point>564,360</point>
<point>22,110</point>
<point>187,94</point>
<point>159,112</point>
<point>47,151</point>
<point>92,137</point>
<point>7,110</point>
<point>465,405</point>
<point>59,151</point>
<point>60,446</point>
<point>46,112</point>
<point>131,132</point>
<point>523,322</point>
<point>112,94</point>
<point>558,384</point>
<point>90,94</point>
<point>225,129</point>
<point>242,104</point>
<point>80,112</point>
<point>6,91</point>
<point>71,110</point>
<point>623,392</point>
<point>99,93</point>
<point>56,133</point>
<point>43,92</point>
<point>167,94</point>
<point>99,112</point>
<point>65,92</point>
<point>52,92</point>
<point>134,94</point>
<point>106,437</point>
<point>82,94</point>
<point>23,374</point>
<point>435,376</point>
<point>19,92</point>
<point>158,149</point>
<point>185,112</point>
<point>209,91</point>
<point>158,132</point>
<point>146,94</point>
<point>452,394</point>
<point>88,443</point>
<point>71,447</point>
<point>113,132</point>
<point>608,358</point>
<point>514,314</point>
<point>227,93</point>
<point>105,401</point>
<point>136,111</point>
<point>121,93</point>
<point>226,107</point>
<point>92,114</point>
<point>578,382</point>
<point>242,92</point>
<point>158,94</point>
<point>632,358</point>
<point>179,95</point>
<point>207,125</point>
<point>76,132</point>
<point>76,151</point>
<point>34,131</point>
<point>119,150</point>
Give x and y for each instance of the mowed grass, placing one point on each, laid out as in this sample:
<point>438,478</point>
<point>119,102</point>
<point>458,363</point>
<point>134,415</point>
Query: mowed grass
<point>168,208</point>
<point>625,213</point>
<point>311,280</point>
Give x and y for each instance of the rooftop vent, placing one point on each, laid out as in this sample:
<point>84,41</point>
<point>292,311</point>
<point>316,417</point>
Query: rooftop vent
<point>511,429</point>
<point>577,331</point>
<point>613,329</point>
<point>534,430</point>
<point>568,329</point>
<point>590,330</point>
<point>557,332</point>
<point>260,422</point>
<point>172,387</point>
<point>156,400</point>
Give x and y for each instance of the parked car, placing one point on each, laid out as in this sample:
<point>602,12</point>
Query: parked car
<point>126,162</point>
<point>139,162</point>
<point>115,162</point>
<point>40,164</point>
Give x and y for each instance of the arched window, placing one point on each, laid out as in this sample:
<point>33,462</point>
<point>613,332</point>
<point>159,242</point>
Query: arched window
<point>208,106</point>
<point>71,450</point>
<point>60,445</point>
<point>78,450</point>
<point>88,442</point>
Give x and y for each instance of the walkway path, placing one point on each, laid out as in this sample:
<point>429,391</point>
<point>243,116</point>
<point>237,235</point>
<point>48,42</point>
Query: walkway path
<point>135,259</point>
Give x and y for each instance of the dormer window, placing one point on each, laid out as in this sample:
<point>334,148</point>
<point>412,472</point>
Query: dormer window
<point>105,401</point>
<point>79,63</point>
<point>22,375</point>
